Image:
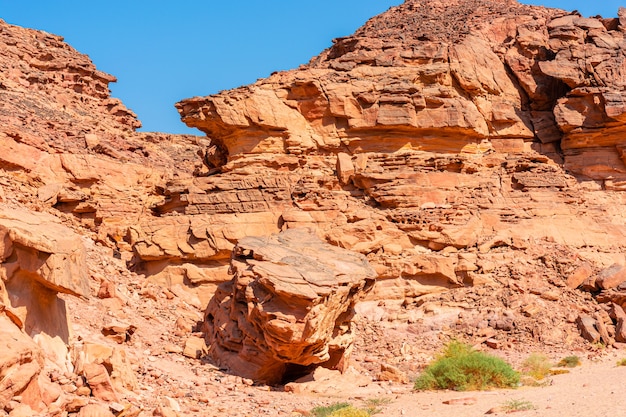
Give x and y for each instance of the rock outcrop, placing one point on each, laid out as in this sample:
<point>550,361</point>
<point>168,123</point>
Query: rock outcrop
<point>72,171</point>
<point>435,133</point>
<point>66,143</point>
<point>440,140</point>
<point>288,307</point>
<point>39,259</point>
<point>471,151</point>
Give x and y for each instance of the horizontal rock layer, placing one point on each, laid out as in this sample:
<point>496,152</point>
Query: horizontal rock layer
<point>432,136</point>
<point>501,71</point>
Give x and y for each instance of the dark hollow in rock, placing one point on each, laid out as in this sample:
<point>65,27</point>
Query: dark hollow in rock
<point>288,308</point>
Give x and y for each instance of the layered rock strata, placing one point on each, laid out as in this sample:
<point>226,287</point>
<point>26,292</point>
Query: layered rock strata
<point>421,149</point>
<point>288,307</point>
<point>470,150</point>
<point>39,259</point>
<point>66,143</point>
<point>69,149</point>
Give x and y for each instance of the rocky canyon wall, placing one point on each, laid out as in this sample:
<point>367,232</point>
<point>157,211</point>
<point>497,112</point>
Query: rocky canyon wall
<point>454,145</point>
<point>435,136</point>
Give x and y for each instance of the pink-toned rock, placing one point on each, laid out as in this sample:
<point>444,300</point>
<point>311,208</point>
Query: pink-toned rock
<point>22,410</point>
<point>345,167</point>
<point>454,144</point>
<point>50,392</point>
<point>115,359</point>
<point>21,361</point>
<point>611,277</point>
<point>392,373</point>
<point>620,326</point>
<point>580,274</point>
<point>99,381</point>
<point>106,290</point>
<point>328,381</point>
<point>62,270</point>
<point>119,332</point>
<point>588,329</point>
<point>195,347</point>
<point>163,411</point>
<point>94,410</point>
<point>298,295</point>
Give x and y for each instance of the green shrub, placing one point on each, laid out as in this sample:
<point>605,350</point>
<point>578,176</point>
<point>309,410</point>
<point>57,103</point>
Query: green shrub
<point>621,362</point>
<point>537,366</point>
<point>569,362</point>
<point>326,411</point>
<point>341,410</point>
<point>350,411</point>
<point>462,368</point>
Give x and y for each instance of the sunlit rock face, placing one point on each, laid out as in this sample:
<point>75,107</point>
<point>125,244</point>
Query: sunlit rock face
<point>288,307</point>
<point>435,136</point>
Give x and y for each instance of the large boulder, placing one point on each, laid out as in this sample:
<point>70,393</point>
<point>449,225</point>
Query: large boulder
<point>288,307</point>
<point>39,258</point>
<point>21,361</point>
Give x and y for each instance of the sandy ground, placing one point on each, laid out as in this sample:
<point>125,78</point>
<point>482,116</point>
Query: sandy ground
<point>594,389</point>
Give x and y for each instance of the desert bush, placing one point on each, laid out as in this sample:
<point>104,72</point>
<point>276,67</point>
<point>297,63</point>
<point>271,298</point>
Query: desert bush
<point>517,405</point>
<point>327,410</point>
<point>462,368</point>
<point>350,411</point>
<point>340,410</point>
<point>537,366</point>
<point>569,362</point>
<point>373,405</point>
<point>621,362</point>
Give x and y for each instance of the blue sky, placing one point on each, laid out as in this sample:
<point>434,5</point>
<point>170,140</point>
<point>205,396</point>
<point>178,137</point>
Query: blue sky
<point>164,51</point>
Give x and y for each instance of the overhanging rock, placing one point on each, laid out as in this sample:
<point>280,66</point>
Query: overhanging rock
<point>288,307</point>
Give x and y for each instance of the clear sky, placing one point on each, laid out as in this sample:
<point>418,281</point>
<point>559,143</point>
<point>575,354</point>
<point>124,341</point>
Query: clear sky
<point>164,51</point>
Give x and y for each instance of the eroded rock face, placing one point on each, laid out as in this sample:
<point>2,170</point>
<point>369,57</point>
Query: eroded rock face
<point>466,148</point>
<point>66,143</point>
<point>437,132</point>
<point>439,76</point>
<point>39,258</point>
<point>288,307</point>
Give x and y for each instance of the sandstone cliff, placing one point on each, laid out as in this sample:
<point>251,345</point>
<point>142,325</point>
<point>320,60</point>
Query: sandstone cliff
<point>69,145</point>
<point>470,150</point>
<point>69,149</point>
<point>435,133</point>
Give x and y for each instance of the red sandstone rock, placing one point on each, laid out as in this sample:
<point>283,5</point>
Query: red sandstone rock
<point>471,150</point>
<point>427,150</point>
<point>21,361</point>
<point>578,277</point>
<point>94,410</point>
<point>392,373</point>
<point>98,380</point>
<point>611,277</point>
<point>297,294</point>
